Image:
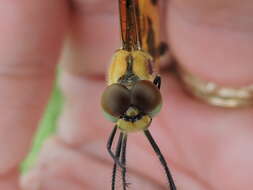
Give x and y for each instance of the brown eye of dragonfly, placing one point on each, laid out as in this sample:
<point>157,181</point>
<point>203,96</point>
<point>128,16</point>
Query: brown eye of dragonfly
<point>147,97</point>
<point>115,100</point>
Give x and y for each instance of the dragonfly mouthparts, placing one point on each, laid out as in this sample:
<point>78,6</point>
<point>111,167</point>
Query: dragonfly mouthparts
<point>132,114</point>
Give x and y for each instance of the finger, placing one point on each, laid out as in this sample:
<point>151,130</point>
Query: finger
<point>94,36</point>
<point>88,54</point>
<point>30,40</point>
<point>213,39</point>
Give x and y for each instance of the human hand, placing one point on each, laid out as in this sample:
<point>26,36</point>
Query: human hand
<point>206,147</point>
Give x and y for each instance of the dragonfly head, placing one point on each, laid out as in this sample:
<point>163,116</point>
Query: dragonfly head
<point>132,109</point>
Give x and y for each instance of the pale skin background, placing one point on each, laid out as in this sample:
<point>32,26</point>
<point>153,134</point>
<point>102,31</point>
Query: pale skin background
<point>208,148</point>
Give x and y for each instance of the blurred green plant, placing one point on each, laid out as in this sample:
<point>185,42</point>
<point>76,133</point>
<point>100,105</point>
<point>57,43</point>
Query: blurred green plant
<point>46,128</point>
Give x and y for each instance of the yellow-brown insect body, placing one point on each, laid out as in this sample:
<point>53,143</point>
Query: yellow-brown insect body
<point>132,97</point>
<point>140,26</point>
<point>127,68</point>
<point>124,63</point>
<point>149,27</point>
<point>138,59</point>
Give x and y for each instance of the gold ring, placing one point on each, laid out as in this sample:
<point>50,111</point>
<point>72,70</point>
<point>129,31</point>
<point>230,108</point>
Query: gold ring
<point>215,94</point>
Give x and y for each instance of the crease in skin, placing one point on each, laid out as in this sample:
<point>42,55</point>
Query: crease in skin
<point>166,130</point>
<point>194,177</point>
<point>75,180</point>
<point>84,152</point>
<point>9,173</point>
<point>96,77</point>
<point>41,176</point>
<point>27,74</point>
<point>179,168</point>
<point>131,171</point>
<point>221,14</point>
<point>190,173</point>
<point>215,26</point>
<point>83,155</point>
<point>94,7</point>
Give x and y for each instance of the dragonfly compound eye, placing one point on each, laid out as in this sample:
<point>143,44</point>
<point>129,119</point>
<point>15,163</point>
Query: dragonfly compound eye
<point>147,97</point>
<point>115,101</point>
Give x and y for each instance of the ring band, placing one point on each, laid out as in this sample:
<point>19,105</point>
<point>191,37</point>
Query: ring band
<point>215,94</point>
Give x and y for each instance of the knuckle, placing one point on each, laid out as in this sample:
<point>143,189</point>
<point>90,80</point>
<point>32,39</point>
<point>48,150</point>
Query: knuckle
<point>94,5</point>
<point>26,69</point>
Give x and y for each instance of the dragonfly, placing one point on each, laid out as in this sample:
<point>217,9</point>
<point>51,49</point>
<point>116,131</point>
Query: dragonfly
<point>132,97</point>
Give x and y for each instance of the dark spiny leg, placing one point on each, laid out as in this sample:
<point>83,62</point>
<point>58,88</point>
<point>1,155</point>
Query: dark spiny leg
<point>123,161</point>
<point>117,154</point>
<point>109,146</point>
<point>161,158</point>
<point>163,48</point>
<point>157,81</point>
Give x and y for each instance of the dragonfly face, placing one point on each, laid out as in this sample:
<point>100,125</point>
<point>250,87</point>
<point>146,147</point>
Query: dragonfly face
<point>131,99</point>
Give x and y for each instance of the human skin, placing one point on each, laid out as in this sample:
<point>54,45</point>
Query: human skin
<point>207,148</point>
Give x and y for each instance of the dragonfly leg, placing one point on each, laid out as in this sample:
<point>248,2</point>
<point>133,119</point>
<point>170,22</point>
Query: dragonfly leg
<point>163,48</point>
<point>109,147</point>
<point>117,155</point>
<point>162,160</point>
<point>123,161</point>
<point>157,81</point>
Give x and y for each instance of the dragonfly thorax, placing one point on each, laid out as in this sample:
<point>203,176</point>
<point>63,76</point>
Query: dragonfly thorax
<point>128,67</point>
